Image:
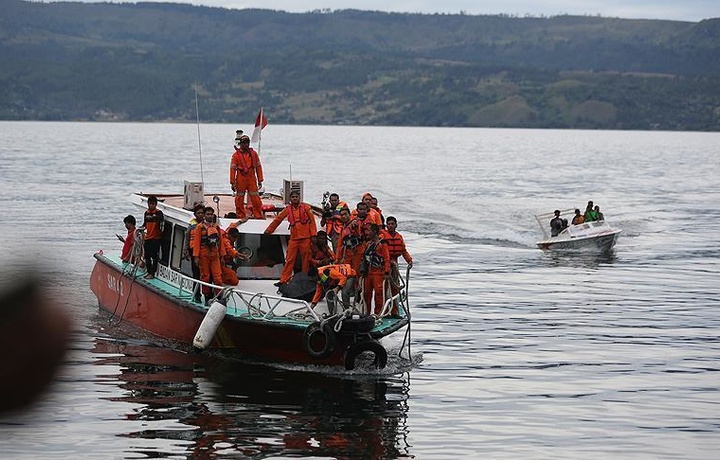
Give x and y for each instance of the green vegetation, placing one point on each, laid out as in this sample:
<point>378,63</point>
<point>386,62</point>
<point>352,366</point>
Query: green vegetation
<point>76,61</point>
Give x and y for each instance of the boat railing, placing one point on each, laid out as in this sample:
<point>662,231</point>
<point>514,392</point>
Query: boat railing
<point>257,304</point>
<point>266,306</point>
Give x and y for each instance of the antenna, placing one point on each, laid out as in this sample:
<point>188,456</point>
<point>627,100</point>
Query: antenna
<point>197,119</point>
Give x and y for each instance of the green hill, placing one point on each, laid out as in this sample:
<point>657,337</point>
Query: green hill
<point>78,61</point>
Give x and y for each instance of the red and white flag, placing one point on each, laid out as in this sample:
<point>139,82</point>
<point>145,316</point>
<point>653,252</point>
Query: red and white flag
<point>260,123</point>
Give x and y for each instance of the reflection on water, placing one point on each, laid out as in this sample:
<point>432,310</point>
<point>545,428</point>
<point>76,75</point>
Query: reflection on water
<point>214,406</point>
<point>579,259</point>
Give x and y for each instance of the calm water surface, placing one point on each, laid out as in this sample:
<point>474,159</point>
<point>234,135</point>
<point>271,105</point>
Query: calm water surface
<point>518,353</point>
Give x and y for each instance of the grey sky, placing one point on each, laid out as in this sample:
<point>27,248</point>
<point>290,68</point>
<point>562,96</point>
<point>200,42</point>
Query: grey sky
<point>681,10</point>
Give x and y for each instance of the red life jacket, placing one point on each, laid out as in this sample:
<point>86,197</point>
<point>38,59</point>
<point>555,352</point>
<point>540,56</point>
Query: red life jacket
<point>304,218</point>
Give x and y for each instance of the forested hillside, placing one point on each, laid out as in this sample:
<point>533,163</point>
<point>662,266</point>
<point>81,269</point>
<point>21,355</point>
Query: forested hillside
<point>79,61</point>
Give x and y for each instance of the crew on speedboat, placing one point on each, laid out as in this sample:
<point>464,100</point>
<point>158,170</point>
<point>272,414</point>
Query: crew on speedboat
<point>578,218</point>
<point>590,213</point>
<point>600,215</point>
<point>557,224</point>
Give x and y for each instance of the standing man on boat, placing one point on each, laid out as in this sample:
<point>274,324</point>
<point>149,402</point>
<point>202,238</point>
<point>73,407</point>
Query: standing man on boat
<point>396,248</point>
<point>302,228</point>
<point>208,249</point>
<point>246,175</point>
<point>153,223</point>
<point>375,268</point>
<point>331,219</point>
<point>350,243</point>
<point>557,224</point>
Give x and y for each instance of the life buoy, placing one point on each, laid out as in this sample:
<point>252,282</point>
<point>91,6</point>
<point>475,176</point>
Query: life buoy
<point>362,324</point>
<point>322,333</point>
<point>356,349</point>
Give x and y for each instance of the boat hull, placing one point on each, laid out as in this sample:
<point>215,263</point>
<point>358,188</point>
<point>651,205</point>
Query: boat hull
<point>603,242</point>
<point>155,308</point>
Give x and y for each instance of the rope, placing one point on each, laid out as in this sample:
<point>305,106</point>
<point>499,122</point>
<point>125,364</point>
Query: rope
<point>136,254</point>
<point>406,339</point>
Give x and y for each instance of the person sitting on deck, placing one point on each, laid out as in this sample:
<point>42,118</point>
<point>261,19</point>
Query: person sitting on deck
<point>578,218</point>
<point>557,224</point>
<point>320,252</point>
<point>590,214</point>
<point>599,215</point>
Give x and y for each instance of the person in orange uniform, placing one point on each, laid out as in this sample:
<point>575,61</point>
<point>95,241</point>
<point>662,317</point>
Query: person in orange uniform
<point>320,252</point>
<point>372,215</point>
<point>396,248</point>
<point>350,243</point>
<point>331,219</point>
<point>376,268</point>
<point>338,278</point>
<point>208,249</point>
<point>229,267</point>
<point>153,222</point>
<point>246,175</point>
<point>302,227</point>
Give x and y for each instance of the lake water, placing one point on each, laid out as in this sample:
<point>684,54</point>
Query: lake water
<point>518,353</point>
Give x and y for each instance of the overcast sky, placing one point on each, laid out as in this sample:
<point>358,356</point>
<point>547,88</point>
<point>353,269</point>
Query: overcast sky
<point>681,10</point>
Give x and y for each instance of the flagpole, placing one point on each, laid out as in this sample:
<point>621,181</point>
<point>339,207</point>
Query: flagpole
<point>262,114</point>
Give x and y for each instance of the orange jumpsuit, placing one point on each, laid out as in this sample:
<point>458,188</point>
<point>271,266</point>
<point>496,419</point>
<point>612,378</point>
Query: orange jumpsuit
<point>302,227</point>
<point>229,276</point>
<point>320,257</point>
<point>209,254</point>
<point>245,173</point>
<point>337,277</point>
<point>377,258</point>
<point>373,217</point>
<point>396,248</point>
<point>350,245</point>
<point>333,225</point>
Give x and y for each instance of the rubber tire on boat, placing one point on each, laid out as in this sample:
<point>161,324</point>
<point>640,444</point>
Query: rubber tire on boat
<point>362,324</point>
<point>310,335</point>
<point>356,349</point>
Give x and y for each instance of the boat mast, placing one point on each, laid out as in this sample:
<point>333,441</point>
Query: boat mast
<point>197,120</point>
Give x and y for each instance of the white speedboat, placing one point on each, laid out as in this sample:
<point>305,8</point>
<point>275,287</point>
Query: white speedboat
<point>597,235</point>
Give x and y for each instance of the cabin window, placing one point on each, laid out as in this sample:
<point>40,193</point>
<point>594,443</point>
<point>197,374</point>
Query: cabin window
<point>267,256</point>
<point>178,241</point>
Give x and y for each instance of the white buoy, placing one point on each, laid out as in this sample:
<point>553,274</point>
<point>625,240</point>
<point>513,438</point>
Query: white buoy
<point>209,325</point>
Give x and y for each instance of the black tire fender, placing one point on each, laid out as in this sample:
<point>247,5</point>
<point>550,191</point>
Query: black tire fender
<point>362,324</point>
<point>318,331</point>
<point>354,350</point>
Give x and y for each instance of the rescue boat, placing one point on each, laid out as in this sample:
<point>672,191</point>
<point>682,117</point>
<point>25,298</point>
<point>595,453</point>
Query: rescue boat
<point>251,319</point>
<point>591,236</point>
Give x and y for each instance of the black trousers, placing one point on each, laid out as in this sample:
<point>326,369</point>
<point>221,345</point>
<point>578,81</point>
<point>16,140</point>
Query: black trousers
<point>152,254</point>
